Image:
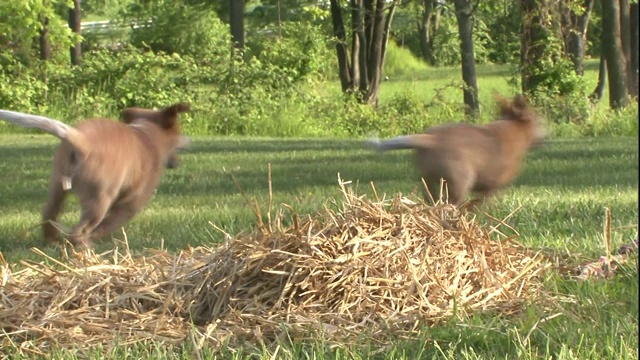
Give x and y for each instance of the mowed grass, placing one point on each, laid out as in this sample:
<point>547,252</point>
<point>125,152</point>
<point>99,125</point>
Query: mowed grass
<point>560,200</point>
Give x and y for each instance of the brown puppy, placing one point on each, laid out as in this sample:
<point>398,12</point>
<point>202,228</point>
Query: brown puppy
<point>473,158</point>
<point>112,167</point>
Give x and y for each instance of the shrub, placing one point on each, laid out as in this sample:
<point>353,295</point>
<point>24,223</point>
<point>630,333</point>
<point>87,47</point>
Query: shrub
<point>178,27</point>
<point>400,62</point>
<point>21,87</point>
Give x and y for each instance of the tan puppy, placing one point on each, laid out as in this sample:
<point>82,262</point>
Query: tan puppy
<point>113,167</point>
<point>472,158</point>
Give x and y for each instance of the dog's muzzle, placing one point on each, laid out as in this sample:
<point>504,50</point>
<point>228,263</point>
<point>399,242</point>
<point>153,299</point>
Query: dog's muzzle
<point>173,161</point>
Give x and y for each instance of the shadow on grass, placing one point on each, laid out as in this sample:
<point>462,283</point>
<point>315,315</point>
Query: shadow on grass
<point>310,163</point>
<point>302,171</point>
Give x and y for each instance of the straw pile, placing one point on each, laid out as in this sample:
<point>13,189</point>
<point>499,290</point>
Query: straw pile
<point>378,267</point>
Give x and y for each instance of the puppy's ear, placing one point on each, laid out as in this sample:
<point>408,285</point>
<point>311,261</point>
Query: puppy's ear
<point>520,107</point>
<point>170,114</point>
<point>175,109</point>
<point>520,102</point>
<point>128,115</point>
<point>504,105</point>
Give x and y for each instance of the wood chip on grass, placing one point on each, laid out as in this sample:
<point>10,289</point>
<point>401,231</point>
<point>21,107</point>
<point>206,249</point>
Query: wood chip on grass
<point>375,267</point>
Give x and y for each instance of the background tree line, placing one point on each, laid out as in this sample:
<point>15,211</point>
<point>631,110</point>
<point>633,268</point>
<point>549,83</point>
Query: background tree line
<point>234,48</point>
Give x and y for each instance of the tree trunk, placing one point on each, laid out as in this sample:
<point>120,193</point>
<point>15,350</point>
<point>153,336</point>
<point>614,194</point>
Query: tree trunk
<point>575,28</point>
<point>428,23</point>
<point>598,92</point>
<point>358,45</point>
<point>45,44</point>
<point>533,40</point>
<point>464,10</point>
<point>370,33</point>
<point>612,47</point>
<point>625,37</point>
<point>341,46</point>
<point>385,35</point>
<point>635,49</point>
<point>75,24</point>
<point>236,23</point>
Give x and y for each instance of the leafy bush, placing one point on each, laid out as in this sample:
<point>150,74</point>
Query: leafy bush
<point>20,86</point>
<point>20,25</point>
<point>505,34</point>
<point>132,78</point>
<point>400,62</point>
<point>447,42</point>
<point>178,27</point>
<point>298,50</point>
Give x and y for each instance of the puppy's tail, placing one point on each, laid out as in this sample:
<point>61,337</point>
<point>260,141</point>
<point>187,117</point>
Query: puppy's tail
<point>417,141</point>
<point>51,126</point>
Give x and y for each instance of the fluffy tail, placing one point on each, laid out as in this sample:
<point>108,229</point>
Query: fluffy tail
<point>417,141</point>
<point>51,126</point>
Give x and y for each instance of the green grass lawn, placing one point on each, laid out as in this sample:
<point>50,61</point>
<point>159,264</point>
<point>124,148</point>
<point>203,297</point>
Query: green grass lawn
<point>562,194</point>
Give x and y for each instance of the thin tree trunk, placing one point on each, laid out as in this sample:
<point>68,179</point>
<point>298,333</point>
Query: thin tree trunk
<point>425,30</point>
<point>612,46</point>
<point>463,10</point>
<point>236,23</point>
<point>75,24</point>
<point>341,45</point>
<point>533,43</point>
<point>385,35</point>
<point>374,65</point>
<point>45,44</point>
<point>625,37</point>
<point>577,26</point>
<point>598,92</point>
<point>358,46</point>
<point>635,48</point>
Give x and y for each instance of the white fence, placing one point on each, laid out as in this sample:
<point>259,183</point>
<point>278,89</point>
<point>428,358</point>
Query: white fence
<point>106,25</point>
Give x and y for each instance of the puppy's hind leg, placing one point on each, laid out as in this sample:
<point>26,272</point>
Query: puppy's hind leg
<point>51,210</point>
<point>94,210</point>
<point>54,205</point>
<point>119,214</point>
<point>480,201</point>
<point>459,185</point>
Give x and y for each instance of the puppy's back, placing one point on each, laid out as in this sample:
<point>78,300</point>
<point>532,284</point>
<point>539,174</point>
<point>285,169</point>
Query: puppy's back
<point>117,153</point>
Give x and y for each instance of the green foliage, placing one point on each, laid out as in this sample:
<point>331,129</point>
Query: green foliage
<point>552,83</point>
<point>103,85</point>
<point>606,122</point>
<point>21,22</point>
<point>271,13</point>
<point>177,27</point>
<point>20,88</point>
<point>401,62</point>
<point>594,35</point>
<point>298,50</point>
<point>503,26</point>
<point>258,88</point>
<point>107,9</point>
<point>133,78</point>
<point>447,41</point>
<point>561,95</point>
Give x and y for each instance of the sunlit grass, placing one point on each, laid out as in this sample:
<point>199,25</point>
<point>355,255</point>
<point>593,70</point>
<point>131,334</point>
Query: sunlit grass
<point>560,198</point>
